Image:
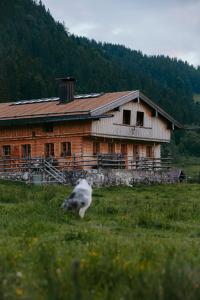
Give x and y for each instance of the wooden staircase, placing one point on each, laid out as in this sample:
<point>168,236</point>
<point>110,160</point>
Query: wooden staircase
<point>56,175</point>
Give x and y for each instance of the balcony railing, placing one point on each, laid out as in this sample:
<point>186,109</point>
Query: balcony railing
<point>134,130</point>
<point>81,162</point>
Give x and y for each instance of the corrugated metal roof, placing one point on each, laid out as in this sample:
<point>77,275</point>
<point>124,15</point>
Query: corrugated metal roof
<point>93,105</point>
<point>52,108</point>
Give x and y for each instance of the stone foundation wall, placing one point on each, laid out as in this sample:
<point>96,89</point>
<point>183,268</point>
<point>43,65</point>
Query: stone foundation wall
<point>100,177</point>
<point>114,177</point>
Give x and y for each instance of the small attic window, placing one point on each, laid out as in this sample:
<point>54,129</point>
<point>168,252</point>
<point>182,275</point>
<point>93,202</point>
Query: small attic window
<point>48,128</point>
<point>126,117</point>
<point>140,118</point>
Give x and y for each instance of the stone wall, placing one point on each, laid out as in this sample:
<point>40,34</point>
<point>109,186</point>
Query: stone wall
<point>101,177</point>
<point>114,177</point>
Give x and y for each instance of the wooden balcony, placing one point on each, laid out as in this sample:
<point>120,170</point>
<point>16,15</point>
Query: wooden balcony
<point>133,132</point>
<point>83,162</point>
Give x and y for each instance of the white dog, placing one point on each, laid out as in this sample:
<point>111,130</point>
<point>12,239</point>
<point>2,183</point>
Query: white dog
<point>80,198</point>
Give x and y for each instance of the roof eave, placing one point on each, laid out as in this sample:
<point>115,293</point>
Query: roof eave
<point>160,111</point>
<point>49,119</point>
<point>117,102</point>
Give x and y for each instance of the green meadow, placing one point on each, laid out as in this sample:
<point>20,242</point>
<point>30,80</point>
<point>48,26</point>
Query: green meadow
<point>134,243</point>
<point>196,98</point>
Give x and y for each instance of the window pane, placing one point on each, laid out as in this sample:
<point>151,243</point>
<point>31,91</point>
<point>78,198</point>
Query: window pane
<point>123,148</point>
<point>49,150</point>
<point>111,148</point>
<point>140,118</point>
<point>136,150</point>
<point>65,149</point>
<point>96,148</point>
<point>26,151</point>
<point>149,152</point>
<point>6,150</point>
<point>126,117</point>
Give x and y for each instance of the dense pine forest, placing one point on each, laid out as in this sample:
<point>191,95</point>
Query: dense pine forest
<point>35,49</point>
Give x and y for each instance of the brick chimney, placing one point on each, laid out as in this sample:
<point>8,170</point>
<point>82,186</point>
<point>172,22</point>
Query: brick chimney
<point>66,89</point>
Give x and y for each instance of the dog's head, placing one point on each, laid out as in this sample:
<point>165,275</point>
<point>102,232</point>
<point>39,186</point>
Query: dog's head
<point>87,181</point>
<point>70,205</point>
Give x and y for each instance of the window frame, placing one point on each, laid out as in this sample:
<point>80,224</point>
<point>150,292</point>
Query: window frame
<point>136,151</point>
<point>149,151</point>
<point>3,150</point>
<point>126,117</point>
<point>96,148</point>
<point>26,151</point>
<point>49,150</point>
<point>123,149</point>
<point>66,149</point>
<point>111,148</point>
<point>140,118</point>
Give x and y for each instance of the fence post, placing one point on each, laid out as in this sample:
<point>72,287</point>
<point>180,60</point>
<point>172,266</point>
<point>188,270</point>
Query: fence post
<point>74,161</point>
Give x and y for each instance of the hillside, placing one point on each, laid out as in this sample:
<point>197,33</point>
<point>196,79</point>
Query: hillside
<point>35,49</point>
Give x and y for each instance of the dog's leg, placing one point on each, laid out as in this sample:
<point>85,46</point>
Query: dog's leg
<point>82,211</point>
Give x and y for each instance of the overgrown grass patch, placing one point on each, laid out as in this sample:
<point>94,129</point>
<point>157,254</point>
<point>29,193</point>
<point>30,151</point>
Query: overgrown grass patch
<point>134,243</point>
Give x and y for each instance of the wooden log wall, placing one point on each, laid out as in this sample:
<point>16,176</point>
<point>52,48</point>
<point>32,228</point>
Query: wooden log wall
<point>37,137</point>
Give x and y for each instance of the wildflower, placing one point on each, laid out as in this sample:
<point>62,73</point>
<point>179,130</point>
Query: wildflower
<point>33,241</point>
<point>126,264</point>
<point>58,271</point>
<point>195,285</point>
<point>19,292</point>
<point>117,259</point>
<point>19,274</point>
<point>144,265</point>
<point>93,253</point>
<point>18,254</point>
<point>5,282</point>
<point>82,263</point>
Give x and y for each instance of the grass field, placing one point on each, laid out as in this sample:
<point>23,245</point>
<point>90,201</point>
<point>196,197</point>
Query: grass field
<point>196,98</point>
<point>190,166</point>
<point>134,243</point>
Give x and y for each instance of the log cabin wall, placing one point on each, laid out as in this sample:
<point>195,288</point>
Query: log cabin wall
<point>77,133</point>
<point>132,148</point>
<point>38,136</point>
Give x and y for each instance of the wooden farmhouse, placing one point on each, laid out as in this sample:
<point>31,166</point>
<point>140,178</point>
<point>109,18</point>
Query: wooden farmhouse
<point>69,126</point>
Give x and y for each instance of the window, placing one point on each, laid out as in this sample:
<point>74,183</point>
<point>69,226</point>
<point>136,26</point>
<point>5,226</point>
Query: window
<point>66,149</point>
<point>135,150</point>
<point>140,118</point>
<point>111,148</point>
<point>126,117</point>
<point>149,152</point>
<point>26,151</point>
<point>6,150</point>
<point>48,128</point>
<point>49,150</point>
<point>123,148</point>
<point>96,148</point>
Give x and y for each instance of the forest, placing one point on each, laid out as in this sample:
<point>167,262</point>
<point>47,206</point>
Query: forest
<point>35,50</point>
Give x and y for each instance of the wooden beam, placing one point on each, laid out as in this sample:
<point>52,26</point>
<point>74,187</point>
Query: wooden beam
<point>155,113</point>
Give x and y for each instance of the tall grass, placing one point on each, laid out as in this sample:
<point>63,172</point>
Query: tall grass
<point>134,243</point>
